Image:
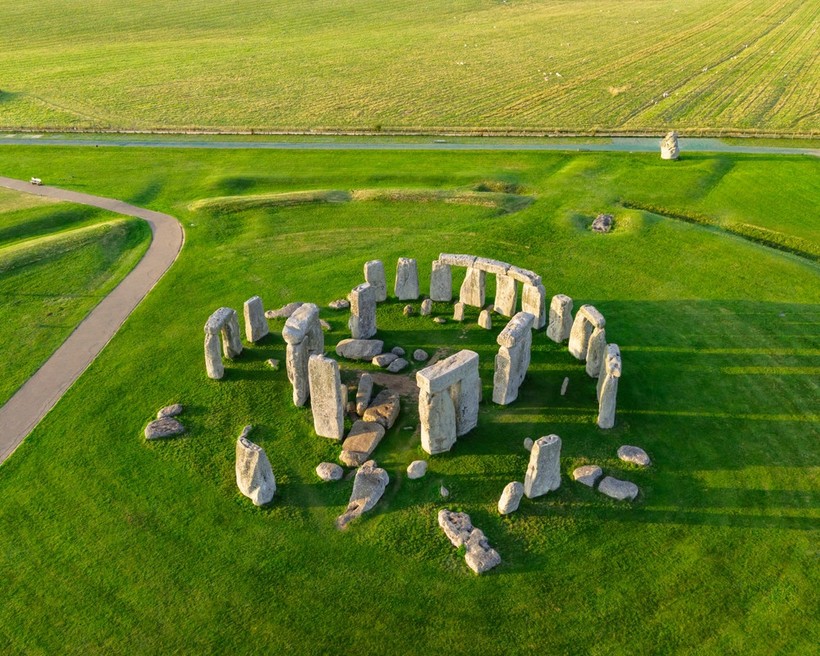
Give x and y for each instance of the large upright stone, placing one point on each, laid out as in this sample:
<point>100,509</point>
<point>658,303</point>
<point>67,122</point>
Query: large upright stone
<point>544,470</point>
<point>473,288</point>
<point>326,399</point>
<point>254,475</point>
<point>596,349</point>
<point>362,322</point>
<point>534,301</point>
<point>223,322</point>
<point>368,487</point>
<point>374,275</point>
<point>608,386</point>
<point>304,337</point>
<point>256,325</point>
<point>441,282</point>
<point>560,323</point>
<point>513,358</point>
<point>669,146</point>
<point>587,319</point>
<point>437,415</point>
<point>506,295</point>
<point>407,279</point>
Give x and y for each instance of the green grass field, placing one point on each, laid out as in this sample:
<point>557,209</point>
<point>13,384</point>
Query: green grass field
<point>592,65</point>
<point>57,260</point>
<point>111,544</point>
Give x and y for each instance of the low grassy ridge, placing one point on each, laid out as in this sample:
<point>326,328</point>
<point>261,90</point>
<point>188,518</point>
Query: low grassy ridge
<point>590,65</point>
<point>57,260</point>
<point>108,543</point>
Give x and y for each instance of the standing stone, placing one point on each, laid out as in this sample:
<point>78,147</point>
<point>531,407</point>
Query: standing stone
<point>326,400</point>
<point>485,320</point>
<point>458,311</point>
<point>544,470</point>
<point>586,320</point>
<point>534,301</point>
<point>596,349</point>
<point>608,386</point>
<point>473,288</point>
<point>223,322</point>
<point>560,324</point>
<point>510,498</point>
<point>374,276</point>
<point>506,295</point>
<point>368,487</point>
<point>669,146</point>
<point>407,279</point>
<point>426,307</point>
<point>513,358</point>
<point>441,282</point>
<point>304,337</point>
<point>362,322</point>
<point>254,476</point>
<point>256,326</point>
<point>213,357</point>
<point>363,393</point>
<point>437,415</point>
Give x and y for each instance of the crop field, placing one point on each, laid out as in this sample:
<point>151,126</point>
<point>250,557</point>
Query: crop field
<point>110,544</point>
<point>635,66</point>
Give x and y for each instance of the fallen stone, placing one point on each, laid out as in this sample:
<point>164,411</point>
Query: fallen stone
<point>363,438</point>
<point>397,350</point>
<point>170,411</point>
<point>384,359</point>
<point>329,471</point>
<point>634,454</point>
<point>283,312</point>
<point>420,355</point>
<point>587,474</point>
<point>510,498</point>
<point>426,307</point>
<point>165,427</point>
<point>363,393</point>
<point>444,492</point>
<point>273,364</point>
<point>384,409</point>
<point>528,443</point>
<point>485,320</point>
<point>458,528</point>
<point>416,469</point>
<point>439,320</point>
<point>368,487</point>
<point>359,349</point>
<point>602,223</point>
<point>618,489</point>
<point>397,365</point>
<point>339,304</point>
<point>407,311</point>
<point>564,386</point>
<point>325,325</point>
<point>544,469</point>
<point>254,476</point>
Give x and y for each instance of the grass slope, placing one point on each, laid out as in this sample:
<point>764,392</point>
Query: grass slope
<point>108,543</point>
<point>743,65</point>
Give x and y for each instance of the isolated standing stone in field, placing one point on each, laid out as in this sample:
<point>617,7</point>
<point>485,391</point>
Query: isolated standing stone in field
<point>618,489</point>
<point>534,301</point>
<point>384,409</point>
<point>587,319</point>
<point>407,279</point>
<point>560,324</point>
<point>458,528</point>
<point>506,295</point>
<point>426,307</point>
<point>458,311</point>
<point>513,358</point>
<point>669,146</point>
<point>608,386</point>
<point>544,470</point>
<point>363,393</point>
<point>359,349</point>
<point>374,275</point>
<point>329,471</point>
<point>254,476</point>
<point>587,474</point>
<point>602,223</point>
<point>256,326</point>
<point>362,321</point>
<point>510,498</point>
<point>441,282</point>
<point>416,469</point>
<point>304,337</point>
<point>368,487</point>
<point>473,288</point>
<point>163,427</point>
<point>634,454</point>
<point>363,438</point>
<point>326,400</point>
<point>223,322</point>
<point>596,350</point>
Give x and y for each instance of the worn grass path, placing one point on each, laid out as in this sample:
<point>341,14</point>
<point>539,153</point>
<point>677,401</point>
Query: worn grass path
<point>39,394</point>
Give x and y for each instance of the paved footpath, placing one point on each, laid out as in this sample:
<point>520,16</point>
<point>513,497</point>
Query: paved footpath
<point>40,393</point>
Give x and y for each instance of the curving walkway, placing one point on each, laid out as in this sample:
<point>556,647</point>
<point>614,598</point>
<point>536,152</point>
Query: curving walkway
<point>40,393</point>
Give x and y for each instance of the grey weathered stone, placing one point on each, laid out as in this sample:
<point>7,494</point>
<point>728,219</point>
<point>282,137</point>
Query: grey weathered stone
<point>213,357</point>
<point>544,469</point>
<point>368,487</point>
<point>224,322</point>
<point>384,359</point>
<point>458,311</point>
<point>634,454</point>
<point>669,146</point>
<point>362,321</point>
<point>302,324</point>
<point>363,438</point>
<point>363,393</point>
<point>560,323</point>
<point>420,355</point>
<point>303,335</point>
<point>163,427</point>
<point>444,492</point>
<point>374,274</point>
<point>272,363</point>
<point>488,265</point>
<point>441,282</point>
<point>602,223</point>
<point>416,469</point>
<point>407,311</point>
<point>339,304</point>
<point>256,326</point>
<point>384,409</point>
<point>397,365</point>
<point>445,373</point>
<point>587,474</point>
<point>524,275</point>
<point>534,301</point>
<point>618,489</point>
<point>283,312</point>
<point>510,498</point>
<point>485,321</point>
<point>593,316</point>
<point>458,528</point>
<point>587,319</point>
<point>457,260</point>
<point>359,349</point>
<point>439,320</point>
<point>326,401</point>
<point>473,288</point>
<point>564,386</point>
<point>170,411</point>
<point>513,358</point>
<point>528,443</point>
<point>437,415</point>
<point>608,386</point>
<point>426,307</point>
<point>397,350</point>
<point>506,295</point>
<point>254,475</point>
<point>329,471</point>
<point>407,279</point>
<point>596,350</point>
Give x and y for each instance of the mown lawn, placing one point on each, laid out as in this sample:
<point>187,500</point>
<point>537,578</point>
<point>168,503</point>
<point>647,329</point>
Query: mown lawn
<point>109,544</point>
